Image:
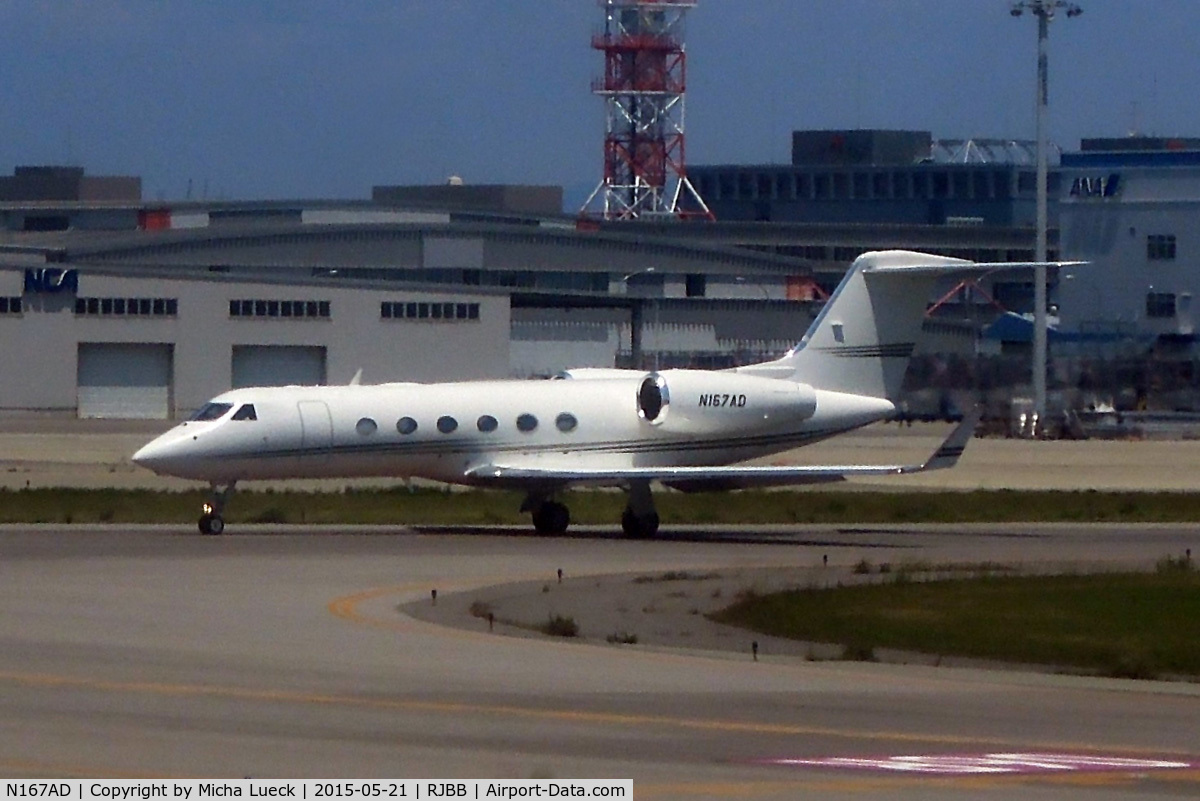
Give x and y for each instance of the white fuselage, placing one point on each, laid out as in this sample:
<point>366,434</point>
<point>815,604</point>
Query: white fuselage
<point>600,422</point>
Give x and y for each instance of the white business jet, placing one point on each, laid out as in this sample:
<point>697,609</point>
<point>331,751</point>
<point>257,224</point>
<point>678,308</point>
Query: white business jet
<point>687,429</point>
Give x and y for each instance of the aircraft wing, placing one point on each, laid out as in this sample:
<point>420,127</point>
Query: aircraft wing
<point>696,479</point>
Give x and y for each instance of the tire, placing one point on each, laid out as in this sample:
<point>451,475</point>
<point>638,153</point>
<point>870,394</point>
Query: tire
<point>211,524</point>
<point>551,518</point>
<point>639,526</point>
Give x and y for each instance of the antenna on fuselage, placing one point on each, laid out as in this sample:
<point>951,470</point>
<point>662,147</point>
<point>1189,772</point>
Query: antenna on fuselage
<point>354,382</point>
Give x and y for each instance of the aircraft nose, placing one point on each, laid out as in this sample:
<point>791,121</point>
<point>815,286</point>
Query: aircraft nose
<point>158,455</point>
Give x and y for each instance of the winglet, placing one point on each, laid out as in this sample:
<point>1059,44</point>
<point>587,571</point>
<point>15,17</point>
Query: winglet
<point>954,445</point>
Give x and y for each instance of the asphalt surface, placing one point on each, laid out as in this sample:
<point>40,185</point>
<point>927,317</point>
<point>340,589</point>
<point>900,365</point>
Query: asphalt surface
<point>303,652</point>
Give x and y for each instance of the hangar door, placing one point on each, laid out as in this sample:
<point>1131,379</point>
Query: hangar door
<point>278,365</point>
<point>124,380</point>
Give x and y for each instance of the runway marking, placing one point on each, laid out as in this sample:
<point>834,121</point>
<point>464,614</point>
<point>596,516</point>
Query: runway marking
<point>266,695</point>
<point>954,764</point>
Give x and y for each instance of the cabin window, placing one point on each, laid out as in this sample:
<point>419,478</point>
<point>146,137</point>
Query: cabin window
<point>446,424</point>
<point>366,426</point>
<point>526,423</point>
<point>211,411</point>
<point>246,412</point>
<point>566,422</point>
<point>487,423</point>
<point>406,425</point>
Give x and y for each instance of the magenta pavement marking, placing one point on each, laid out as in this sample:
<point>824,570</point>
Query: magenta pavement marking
<point>957,764</point>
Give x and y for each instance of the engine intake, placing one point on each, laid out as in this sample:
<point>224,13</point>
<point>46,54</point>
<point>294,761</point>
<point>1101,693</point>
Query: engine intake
<point>653,398</point>
<point>699,401</point>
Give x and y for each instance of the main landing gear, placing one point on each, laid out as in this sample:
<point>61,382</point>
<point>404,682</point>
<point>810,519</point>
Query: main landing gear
<point>639,520</point>
<point>549,517</point>
<point>212,521</point>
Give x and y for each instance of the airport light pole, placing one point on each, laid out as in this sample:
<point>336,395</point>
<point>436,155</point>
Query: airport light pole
<point>1045,11</point>
<point>637,323</point>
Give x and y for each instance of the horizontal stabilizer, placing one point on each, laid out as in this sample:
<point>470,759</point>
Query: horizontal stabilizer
<point>964,268</point>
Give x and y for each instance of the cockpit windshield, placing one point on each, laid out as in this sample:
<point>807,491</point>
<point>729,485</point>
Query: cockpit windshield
<point>211,411</point>
<point>245,413</point>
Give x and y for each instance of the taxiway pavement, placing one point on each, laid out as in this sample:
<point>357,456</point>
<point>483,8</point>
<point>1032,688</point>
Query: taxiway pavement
<point>152,651</point>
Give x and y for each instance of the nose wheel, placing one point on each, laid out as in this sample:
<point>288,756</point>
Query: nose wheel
<point>211,524</point>
<point>212,520</point>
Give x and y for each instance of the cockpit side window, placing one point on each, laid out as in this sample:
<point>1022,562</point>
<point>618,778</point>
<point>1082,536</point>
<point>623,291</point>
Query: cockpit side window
<point>212,411</point>
<point>245,413</point>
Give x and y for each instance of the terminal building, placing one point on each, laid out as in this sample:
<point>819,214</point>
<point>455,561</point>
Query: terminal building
<point>1129,207</point>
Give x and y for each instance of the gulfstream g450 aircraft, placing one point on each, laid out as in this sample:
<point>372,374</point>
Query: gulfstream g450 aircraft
<point>685,428</point>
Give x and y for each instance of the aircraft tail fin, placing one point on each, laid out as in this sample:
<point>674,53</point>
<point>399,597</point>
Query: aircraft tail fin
<point>861,341</point>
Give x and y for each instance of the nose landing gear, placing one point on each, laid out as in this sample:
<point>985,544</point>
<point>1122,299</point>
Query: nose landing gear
<point>212,520</point>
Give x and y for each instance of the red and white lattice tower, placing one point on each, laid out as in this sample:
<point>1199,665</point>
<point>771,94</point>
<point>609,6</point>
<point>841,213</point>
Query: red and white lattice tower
<point>643,90</point>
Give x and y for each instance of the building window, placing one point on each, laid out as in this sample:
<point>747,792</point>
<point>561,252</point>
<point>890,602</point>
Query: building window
<point>841,185</point>
<point>980,184</point>
<point>1160,305</point>
<point>10,305</point>
<point>764,186</point>
<point>785,187</point>
<point>920,185</point>
<point>442,312</point>
<point>879,185</point>
<point>822,186</point>
<point>696,284</point>
<point>280,309</point>
<point>962,184</point>
<point>727,182</point>
<point>745,186</point>
<point>860,185</point>
<point>803,186</point>
<point>123,307</point>
<point>1160,247</point>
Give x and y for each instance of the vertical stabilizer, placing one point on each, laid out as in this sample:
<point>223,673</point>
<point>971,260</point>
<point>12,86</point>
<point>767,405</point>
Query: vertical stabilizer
<point>861,341</point>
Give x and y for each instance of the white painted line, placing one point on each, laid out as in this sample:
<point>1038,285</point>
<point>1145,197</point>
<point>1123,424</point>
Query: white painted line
<point>962,764</point>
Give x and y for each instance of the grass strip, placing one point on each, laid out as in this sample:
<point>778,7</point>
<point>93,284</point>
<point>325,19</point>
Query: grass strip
<point>1134,625</point>
<point>481,507</point>
<point>478,507</point>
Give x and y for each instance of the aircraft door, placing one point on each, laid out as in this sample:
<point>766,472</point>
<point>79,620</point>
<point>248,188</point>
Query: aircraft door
<point>316,427</point>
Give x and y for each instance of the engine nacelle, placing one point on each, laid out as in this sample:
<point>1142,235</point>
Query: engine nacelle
<point>698,401</point>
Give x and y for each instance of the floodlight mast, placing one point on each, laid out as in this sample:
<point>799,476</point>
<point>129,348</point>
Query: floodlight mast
<point>643,89</point>
<point>1044,10</point>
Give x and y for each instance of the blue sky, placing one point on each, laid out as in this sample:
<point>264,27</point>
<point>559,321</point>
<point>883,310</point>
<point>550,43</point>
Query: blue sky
<point>325,98</point>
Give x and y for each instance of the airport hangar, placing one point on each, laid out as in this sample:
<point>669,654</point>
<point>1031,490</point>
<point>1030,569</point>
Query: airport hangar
<point>126,308</point>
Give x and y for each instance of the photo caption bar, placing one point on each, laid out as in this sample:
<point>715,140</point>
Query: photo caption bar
<point>305,789</point>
